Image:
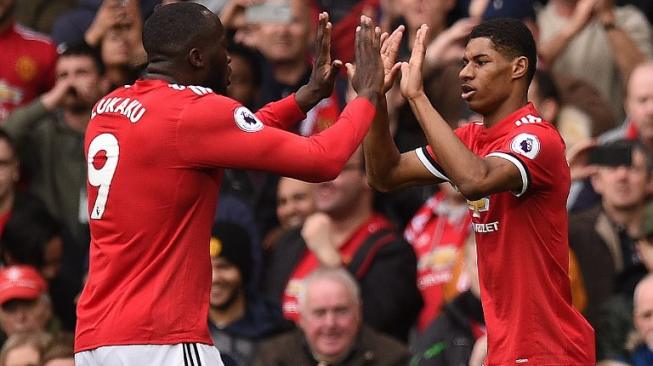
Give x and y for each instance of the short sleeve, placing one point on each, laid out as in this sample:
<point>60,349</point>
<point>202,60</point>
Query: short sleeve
<point>538,153</point>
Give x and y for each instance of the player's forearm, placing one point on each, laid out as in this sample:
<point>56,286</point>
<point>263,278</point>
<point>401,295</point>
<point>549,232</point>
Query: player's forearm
<point>464,168</point>
<point>283,114</point>
<point>381,154</point>
<point>332,148</point>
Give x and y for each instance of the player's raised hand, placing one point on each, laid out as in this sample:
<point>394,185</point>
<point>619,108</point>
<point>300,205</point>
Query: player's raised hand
<point>389,50</point>
<point>412,85</point>
<point>323,76</point>
<point>367,77</point>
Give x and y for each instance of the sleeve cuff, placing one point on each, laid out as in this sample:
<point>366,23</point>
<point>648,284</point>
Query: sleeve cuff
<point>523,170</point>
<point>430,164</point>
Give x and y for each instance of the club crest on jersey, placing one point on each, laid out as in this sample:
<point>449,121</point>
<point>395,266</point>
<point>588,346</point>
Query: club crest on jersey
<point>479,206</point>
<point>526,144</point>
<point>246,120</point>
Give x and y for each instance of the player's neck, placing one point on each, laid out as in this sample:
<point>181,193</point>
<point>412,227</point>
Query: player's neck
<point>291,72</point>
<point>222,317</point>
<point>508,107</point>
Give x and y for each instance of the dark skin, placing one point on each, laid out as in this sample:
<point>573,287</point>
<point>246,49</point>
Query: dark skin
<point>206,63</point>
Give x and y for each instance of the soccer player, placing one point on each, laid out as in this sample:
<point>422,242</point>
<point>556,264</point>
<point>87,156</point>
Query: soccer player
<point>155,152</point>
<point>511,168</point>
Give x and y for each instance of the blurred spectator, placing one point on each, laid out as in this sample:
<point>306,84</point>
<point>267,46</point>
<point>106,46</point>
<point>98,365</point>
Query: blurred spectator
<point>59,351</point>
<point>573,38</point>
<point>9,176</point>
<point>27,62</point>
<point>24,349</point>
<point>638,104</point>
<point>33,237</point>
<point>41,14</point>
<point>331,329</point>
<point>92,18</point>
<point>616,321</point>
<point>603,237</point>
<point>238,319</point>
<point>24,302</point>
<point>122,64</point>
<point>449,339</point>
<point>641,347</point>
<point>295,202</point>
<point>50,134</point>
<point>347,232</point>
<point>287,46</point>
<point>245,79</point>
<point>437,233</point>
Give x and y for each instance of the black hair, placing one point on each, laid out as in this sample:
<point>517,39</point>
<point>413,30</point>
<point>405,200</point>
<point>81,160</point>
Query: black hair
<point>27,232</point>
<point>546,86</point>
<point>511,38</point>
<point>82,49</point>
<point>171,29</point>
<point>251,56</point>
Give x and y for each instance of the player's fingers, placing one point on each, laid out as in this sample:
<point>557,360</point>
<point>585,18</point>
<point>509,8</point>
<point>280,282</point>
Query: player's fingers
<point>351,70</point>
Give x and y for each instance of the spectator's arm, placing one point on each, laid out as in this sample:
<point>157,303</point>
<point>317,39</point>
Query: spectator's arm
<point>22,120</point>
<point>628,53</point>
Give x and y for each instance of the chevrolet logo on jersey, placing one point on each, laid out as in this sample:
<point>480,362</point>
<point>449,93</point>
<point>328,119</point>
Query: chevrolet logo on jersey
<point>479,206</point>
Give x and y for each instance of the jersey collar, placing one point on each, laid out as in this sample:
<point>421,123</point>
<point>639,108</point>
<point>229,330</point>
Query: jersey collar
<point>524,115</point>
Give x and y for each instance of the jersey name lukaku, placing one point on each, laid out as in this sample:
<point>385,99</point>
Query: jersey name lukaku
<point>155,155</point>
<point>523,253</point>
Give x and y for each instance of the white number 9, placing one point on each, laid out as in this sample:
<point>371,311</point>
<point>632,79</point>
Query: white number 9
<point>102,177</point>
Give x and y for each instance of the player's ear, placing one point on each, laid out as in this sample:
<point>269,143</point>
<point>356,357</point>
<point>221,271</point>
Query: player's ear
<point>519,67</point>
<point>195,58</point>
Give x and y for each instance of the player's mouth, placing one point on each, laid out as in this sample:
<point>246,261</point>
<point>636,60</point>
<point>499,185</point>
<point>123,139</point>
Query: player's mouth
<point>468,92</point>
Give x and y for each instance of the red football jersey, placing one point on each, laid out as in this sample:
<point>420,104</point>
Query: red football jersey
<point>26,67</point>
<point>155,156</point>
<point>437,231</point>
<point>523,253</point>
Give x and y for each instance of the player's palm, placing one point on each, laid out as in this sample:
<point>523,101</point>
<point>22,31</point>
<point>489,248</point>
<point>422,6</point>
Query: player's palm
<point>389,50</point>
<point>324,71</point>
<point>411,72</point>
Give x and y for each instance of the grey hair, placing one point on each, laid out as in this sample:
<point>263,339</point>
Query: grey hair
<point>339,275</point>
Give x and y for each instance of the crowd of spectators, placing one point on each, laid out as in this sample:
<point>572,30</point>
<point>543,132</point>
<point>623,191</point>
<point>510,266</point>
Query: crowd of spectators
<point>332,273</point>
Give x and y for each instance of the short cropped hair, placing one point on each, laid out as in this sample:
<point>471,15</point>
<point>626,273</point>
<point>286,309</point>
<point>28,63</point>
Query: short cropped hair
<point>171,28</point>
<point>82,49</point>
<point>511,38</point>
<point>339,275</point>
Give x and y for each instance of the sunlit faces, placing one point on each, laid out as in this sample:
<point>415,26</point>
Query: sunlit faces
<point>623,187</point>
<point>115,48</point>
<point>330,318</point>
<point>287,42</point>
<point>486,76</point>
<point>348,191</point>
<point>639,100</point>
<point>430,12</point>
<point>226,283</point>
<point>84,76</point>
<point>295,202</point>
<point>643,310</point>
<point>22,315</point>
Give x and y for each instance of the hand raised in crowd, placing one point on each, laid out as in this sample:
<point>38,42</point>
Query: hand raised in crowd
<point>449,45</point>
<point>583,13</point>
<point>367,77</point>
<point>389,50</point>
<point>412,85</point>
<point>111,14</point>
<point>323,76</point>
<point>578,159</point>
<point>68,87</point>
<point>316,233</point>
